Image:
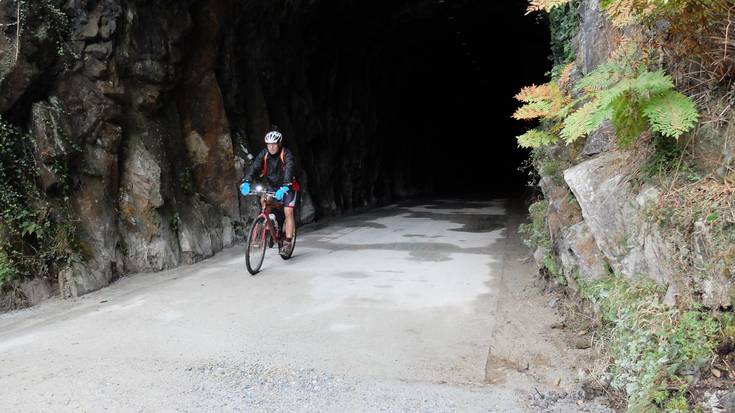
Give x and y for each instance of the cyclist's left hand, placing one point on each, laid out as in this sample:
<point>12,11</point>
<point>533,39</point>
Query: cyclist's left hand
<point>281,193</point>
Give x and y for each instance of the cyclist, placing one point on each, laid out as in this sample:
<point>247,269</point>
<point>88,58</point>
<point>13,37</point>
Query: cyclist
<point>276,164</point>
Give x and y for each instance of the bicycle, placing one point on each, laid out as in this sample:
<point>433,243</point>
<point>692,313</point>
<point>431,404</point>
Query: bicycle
<point>264,226</point>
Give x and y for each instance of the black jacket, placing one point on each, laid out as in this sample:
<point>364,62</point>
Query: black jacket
<point>278,173</point>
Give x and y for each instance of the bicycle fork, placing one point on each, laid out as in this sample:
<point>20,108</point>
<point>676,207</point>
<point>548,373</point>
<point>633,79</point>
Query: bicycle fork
<point>271,227</point>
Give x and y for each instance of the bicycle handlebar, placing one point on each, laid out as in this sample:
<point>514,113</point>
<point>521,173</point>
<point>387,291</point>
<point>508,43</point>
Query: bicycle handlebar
<point>271,196</point>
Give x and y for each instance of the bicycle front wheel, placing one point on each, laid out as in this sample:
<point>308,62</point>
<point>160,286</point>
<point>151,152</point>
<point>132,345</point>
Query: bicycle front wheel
<point>255,251</point>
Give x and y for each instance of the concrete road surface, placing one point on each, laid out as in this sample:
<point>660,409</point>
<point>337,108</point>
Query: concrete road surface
<point>389,310</point>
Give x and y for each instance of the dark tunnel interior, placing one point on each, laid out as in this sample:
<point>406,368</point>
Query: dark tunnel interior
<point>445,76</point>
<point>383,100</point>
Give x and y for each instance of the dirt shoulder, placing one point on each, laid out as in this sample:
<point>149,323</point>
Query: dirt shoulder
<point>531,347</point>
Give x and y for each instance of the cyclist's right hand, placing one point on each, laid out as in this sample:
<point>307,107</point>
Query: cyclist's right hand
<point>245,188</point>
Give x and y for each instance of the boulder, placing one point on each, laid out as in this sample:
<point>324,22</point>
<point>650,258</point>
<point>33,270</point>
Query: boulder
<point>201,232</point>
<point>78,279</point>
<point>50,130</point>
<point>616,217</point>
<point>601,140</point>
<point>562,212</point>
<point>92,28</point>
<point>149,245</point>
<point>712,274</point>
<point>580,255</point>
<point>36,290</point>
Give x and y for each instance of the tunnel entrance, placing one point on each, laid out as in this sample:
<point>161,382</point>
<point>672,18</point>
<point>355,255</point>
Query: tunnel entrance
<point>382,99</point>
<point>143,115</point>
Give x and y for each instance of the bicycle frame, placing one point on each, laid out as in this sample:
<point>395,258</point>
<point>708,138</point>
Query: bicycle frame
<point>267,205</point>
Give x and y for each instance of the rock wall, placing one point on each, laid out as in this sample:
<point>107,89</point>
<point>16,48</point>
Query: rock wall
<point>601,219</point>
<point>157,106</point>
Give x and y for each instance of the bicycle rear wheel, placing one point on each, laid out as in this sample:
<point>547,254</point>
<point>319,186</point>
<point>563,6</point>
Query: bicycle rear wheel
<point>255,251</point>
<point>289,253</point>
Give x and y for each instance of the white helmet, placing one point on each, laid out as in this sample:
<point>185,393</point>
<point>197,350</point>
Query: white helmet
<point>273,137</point>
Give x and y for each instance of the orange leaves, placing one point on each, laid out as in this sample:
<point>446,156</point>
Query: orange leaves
<point>566,75</point>
<point>545,5</point>
<point>542,101</point>
<point>532,110</point>
<point>546,103</point>
<point>535,93</point>
<point>626,12</point>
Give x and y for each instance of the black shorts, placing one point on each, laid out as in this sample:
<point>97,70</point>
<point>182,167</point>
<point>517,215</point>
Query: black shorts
<point>289,201</point>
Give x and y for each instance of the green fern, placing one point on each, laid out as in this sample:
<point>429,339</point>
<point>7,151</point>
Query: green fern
<point>533,110</point>
<point>611,95</point>
<point>620,90</point>
<point>627,119</point>
<point>651,83</point>
<point>628,103</point>
<point>584,120</point>
<point>603,77</point>
<point>546,5</point>
<point>535,138</point>
<point>671,113</point>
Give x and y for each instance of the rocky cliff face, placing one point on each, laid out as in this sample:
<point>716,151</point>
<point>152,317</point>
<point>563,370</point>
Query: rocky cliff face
<point>154,107</point>
<point>603,217</point>
<point>140,194</point>
<point>636,225</point>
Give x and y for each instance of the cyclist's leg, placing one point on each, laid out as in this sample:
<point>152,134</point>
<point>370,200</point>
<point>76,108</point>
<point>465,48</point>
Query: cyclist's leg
<point>289,203</point>
<point>278,216</point>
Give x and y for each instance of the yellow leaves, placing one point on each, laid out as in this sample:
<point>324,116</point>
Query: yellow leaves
<point>544,101</point>
<point>547,103</point>
<point>533,110</point>
<point>535,138</point>
<point>545,5</point>
<point>535,93</point>
<point>623,13</point>
<point>629,51</point>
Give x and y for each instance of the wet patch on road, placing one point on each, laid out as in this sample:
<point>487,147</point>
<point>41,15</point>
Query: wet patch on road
<point>352,275</point>
<point>423,236</point>
<point>419,251</point>
<point>429,255</point>
<point>470,223</point>
<point>362,224</point>
<point>477,217</point>
<point>461,205</point>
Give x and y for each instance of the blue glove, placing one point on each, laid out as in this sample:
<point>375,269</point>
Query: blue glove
<point>281,193</point>
<point>245,188</point>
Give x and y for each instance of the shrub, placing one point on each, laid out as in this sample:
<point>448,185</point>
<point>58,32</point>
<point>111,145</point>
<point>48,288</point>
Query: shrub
<point>652,347</point>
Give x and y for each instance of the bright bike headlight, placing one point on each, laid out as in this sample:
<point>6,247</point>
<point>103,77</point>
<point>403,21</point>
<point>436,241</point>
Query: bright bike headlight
<point>259,188</point>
